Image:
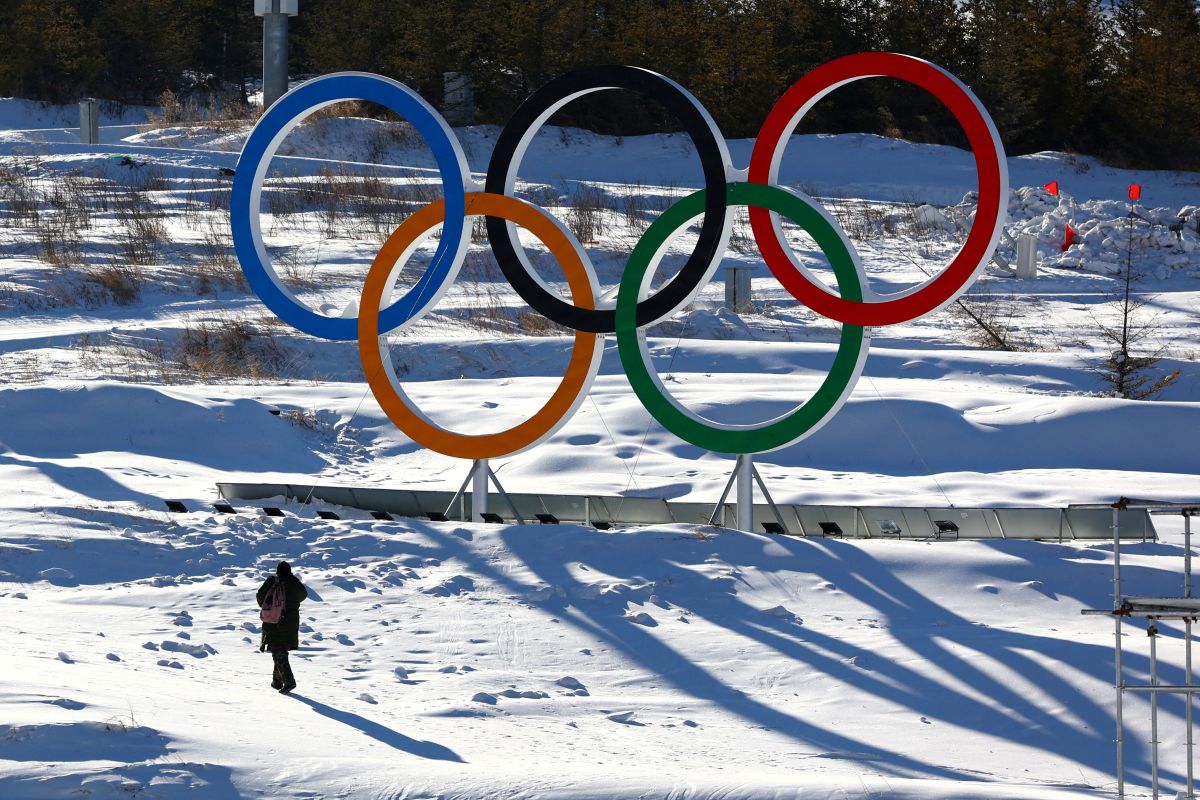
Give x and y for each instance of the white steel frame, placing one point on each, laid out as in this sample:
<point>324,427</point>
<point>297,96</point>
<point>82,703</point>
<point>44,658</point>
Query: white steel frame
<point>1185,608</point>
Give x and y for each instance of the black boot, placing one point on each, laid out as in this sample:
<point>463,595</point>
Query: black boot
<point>283,671</point>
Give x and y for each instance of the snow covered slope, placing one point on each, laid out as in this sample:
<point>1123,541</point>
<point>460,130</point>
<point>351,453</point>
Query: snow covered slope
<point>463,661</point>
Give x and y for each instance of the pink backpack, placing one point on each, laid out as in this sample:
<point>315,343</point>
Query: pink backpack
<point>273,603</point>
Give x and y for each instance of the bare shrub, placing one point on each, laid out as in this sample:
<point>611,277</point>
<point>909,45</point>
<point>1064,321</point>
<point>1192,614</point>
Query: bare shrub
<point>217,267</point>
<point>585,213</point>
<point>121,283</point>
<point>219,111</point>
<point>57,239</point>
<point>19,194</point>
<point>991,321</point>
<point>142,229</point>
<point>296,266</point>
<point>633,208</point>
<point>229,348</point>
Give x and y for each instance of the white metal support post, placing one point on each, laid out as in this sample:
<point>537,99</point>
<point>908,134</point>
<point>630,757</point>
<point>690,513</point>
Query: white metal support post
<point>479,489</point>
<point>745,492</point>
<point>275,15</point>
<point>477,478</point>
<point>1120,679</point>
<point>1154,609</point>
<point>744,476</point>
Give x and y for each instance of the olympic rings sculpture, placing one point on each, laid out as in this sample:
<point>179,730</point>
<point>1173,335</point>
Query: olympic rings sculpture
<point>635,308</point>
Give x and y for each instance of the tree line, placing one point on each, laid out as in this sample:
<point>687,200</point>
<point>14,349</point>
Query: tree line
<point>1112,78</point>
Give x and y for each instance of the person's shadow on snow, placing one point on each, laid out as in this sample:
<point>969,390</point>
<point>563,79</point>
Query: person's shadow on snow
<point>382,733</point>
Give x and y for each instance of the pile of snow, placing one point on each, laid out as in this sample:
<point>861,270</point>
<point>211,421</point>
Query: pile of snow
<point>1165,241</point>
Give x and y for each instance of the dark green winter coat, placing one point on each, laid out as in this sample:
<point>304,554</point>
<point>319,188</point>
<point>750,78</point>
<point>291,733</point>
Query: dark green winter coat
<point>285,634</point>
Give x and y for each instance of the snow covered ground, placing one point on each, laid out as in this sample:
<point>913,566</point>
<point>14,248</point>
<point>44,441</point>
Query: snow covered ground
<point>465,661</point>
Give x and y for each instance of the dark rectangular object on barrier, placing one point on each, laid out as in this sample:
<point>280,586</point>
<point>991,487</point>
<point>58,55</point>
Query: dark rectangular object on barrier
<point>547,519</point>
<point>773,527</point>
<point>831,528</point>
<point>382,516</point>
<point>492,517</point>
<point>436,516</point>
<point>224,508</point>
<point>272,511</point>
<point>946,527</point>
<point>327,515</point>
<point>176,507</point>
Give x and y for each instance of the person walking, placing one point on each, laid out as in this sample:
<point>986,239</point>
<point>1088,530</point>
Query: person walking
<point>284,635</point>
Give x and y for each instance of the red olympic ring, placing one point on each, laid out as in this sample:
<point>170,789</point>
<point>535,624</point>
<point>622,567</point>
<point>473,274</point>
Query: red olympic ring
<point>993,188</point>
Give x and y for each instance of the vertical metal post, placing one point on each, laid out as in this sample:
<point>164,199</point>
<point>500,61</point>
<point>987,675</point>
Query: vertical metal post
<point>479,490</point>
<point>1120,682</point>
<point>1187,644</point>
<point>1187,554</point>
<point>1187,665</point>
<point>1152,632</point>
<point>737,288</point>
<point>587,511</point>
<point>89,121</point>
<point>275,54</point>
<point>745,492</point>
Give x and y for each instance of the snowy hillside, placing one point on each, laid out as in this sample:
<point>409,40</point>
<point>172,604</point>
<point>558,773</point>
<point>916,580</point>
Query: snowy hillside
<point>470,661</point>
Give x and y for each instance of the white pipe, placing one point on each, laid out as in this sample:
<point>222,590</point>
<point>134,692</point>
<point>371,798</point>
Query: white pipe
<point>745,492</point>
<point>479,490</point>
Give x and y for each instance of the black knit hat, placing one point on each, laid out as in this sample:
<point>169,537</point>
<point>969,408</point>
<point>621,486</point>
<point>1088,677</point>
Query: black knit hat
<point>284,568</point>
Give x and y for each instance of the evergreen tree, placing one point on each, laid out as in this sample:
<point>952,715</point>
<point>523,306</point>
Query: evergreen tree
<point>50,53</point>
<point>1156,57</point>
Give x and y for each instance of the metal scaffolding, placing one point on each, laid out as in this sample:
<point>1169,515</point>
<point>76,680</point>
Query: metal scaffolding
<point>1185,608</point>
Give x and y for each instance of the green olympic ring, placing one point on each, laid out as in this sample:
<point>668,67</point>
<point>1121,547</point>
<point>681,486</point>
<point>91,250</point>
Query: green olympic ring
<point>773,434</point>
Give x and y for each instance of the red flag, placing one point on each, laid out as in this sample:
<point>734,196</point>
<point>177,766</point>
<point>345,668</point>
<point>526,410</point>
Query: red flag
<point>1052,188</point>
<point>1135,191</point>
<point>1069,238</point>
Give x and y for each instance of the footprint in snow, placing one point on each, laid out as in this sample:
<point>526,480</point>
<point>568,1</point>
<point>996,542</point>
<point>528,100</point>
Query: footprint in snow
<point>162,662</point>
<point>66,659</point>
<point>366,698</point>
<point>349,584</point>
<point>625,718</point>
<point>544,593</point>
<point>459,584</point>
<point>573,686</point>
<point>642,618</point>
<point>344,639</point>
<point>113,657</point>
<point>784,614</point>
<point>70,705</point>
<point>484,697</point>
<point>193,650</point>
<point>526,695</point>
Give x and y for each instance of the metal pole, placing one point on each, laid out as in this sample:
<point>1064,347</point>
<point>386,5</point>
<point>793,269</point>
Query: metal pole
<point>587,511</point>
<point>1152,632</point>
<point>719,509</point>
<point>745,492</point>
<point>275,55</point>
<point>1117,654</point>
<point>89,121</point>
<point>1187,554</point>
<point>1187,643</point>
<point>479,490</point>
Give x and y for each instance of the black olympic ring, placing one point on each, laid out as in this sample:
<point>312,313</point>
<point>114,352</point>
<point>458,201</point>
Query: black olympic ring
<point>714,160</point>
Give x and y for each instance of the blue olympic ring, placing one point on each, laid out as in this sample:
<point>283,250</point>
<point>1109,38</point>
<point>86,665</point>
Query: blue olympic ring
<point>265,139</point>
